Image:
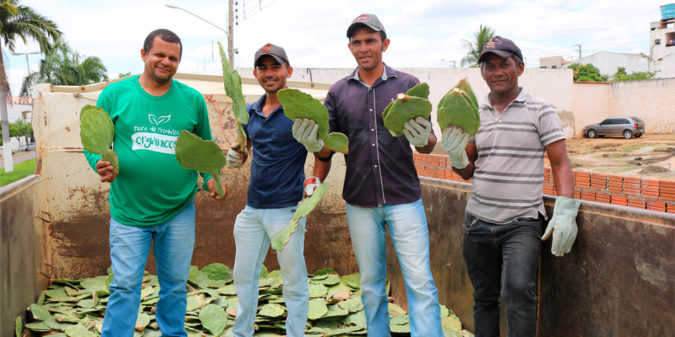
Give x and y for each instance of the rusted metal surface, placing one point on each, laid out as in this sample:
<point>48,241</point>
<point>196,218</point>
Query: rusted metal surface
<point>21,252</point>
<point>618,280</point>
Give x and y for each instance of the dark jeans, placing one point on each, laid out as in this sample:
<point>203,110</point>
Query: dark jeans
<point>503,258</point>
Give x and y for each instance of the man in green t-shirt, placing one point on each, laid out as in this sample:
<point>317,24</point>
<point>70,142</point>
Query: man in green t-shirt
<point>152,196</point>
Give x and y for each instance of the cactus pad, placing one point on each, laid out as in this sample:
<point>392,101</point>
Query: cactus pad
<point>280,239</point>
<point>419,90</point>
<point>405,107</point>
<point>97,132</point>
<point>299,105</point>
<point>338,142</point>
<point>193,153</point>
<point>233,88</point>
<point>459,107</point>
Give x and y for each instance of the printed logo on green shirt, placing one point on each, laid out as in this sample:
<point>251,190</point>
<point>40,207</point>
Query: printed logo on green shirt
<point>157,121</point>
<point>154,139</point>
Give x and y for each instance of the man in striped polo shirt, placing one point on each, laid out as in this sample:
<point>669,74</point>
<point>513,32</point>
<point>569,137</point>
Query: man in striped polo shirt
<point>504,216</point>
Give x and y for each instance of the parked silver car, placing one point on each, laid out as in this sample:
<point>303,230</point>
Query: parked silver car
<point>626,127</point>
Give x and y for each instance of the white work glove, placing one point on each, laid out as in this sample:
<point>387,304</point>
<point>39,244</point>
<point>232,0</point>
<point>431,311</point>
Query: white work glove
<point>304,131</point>
<point>234,158</point>
<point>417,131</point>
<point>563,225</point>
<point>454,142</point>
<point>310,184</point>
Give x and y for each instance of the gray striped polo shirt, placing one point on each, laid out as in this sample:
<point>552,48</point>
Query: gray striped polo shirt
<point>509,172</point>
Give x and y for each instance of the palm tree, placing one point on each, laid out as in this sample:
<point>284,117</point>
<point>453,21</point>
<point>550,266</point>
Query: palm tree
<point>484,34</point>
<point>17,21</point>
<point>63,66</point>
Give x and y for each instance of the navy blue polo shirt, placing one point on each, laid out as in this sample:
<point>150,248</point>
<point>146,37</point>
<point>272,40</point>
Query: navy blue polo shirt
<point>380,168</point>
<point>278,160</point>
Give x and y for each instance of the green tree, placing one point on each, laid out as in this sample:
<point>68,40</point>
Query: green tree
<point>586,73</point>
<point>20,22</point>
<point>481,37</point>
<point>63,66</point>
<point>621,75</point>
<point>20,129</point>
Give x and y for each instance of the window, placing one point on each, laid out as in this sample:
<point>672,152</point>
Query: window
<point>657,42</point>
<point>554,67</point>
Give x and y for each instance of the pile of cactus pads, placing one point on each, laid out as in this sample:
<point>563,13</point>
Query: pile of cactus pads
<point>75,308</point>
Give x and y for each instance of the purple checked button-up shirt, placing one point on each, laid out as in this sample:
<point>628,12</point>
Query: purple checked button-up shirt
<point>380,168</point>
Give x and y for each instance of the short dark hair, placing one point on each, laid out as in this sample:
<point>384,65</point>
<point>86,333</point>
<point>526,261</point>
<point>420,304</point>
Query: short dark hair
<point>165,35</point>
<point>383,35</point>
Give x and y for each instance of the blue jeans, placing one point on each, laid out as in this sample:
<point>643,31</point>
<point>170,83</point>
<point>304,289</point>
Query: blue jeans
<point>407,224</point>
<point>503,258</point>
<point>129,249</point>
<point>253,229</point>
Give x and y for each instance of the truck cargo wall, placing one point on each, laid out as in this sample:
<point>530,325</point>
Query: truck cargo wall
<point>78,203</point>
<point>22,249</point>
<point>618,280</point>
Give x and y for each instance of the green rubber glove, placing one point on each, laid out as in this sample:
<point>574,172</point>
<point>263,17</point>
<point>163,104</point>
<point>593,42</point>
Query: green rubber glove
<point>417,131</point>
<point>454,142</point>
<point>304,131</point>
<point>563,225</point>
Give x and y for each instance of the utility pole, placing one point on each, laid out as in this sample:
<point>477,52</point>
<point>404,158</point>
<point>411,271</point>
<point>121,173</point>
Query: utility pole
<point>28,65</point>
<point>579,46</point>
<point>8,161</point>
<point>230,32</point>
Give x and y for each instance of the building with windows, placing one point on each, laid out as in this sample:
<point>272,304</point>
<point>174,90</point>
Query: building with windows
<point>662,34</point>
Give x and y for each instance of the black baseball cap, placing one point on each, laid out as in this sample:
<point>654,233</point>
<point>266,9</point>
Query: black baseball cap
<point>278,53</point>
<point>369,20</point>
<point>501,46</point>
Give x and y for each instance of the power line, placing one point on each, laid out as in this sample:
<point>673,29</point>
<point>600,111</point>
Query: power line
<point>254,6</point>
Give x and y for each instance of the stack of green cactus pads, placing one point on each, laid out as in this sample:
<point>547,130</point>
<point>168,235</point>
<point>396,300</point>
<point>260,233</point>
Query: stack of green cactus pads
<point>299,105</point>
<point>232,82</point>
<point>193,153</point>
<point>412,104</point>
<point>75,308</point>
<point>97,132</point>
<point>459,107</point>
<point>280,239</point>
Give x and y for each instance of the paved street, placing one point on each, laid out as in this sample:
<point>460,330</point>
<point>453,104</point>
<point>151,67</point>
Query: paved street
<point>19,157</point>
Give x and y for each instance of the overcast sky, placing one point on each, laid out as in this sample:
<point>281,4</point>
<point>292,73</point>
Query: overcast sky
<point>423,33</point>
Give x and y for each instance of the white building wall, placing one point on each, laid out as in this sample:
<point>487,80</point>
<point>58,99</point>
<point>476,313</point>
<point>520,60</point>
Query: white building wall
<point>664,68</point>
<point>554,85</point>
<point>18,108</point>
<point>651,100</point>
<point>608,62</point>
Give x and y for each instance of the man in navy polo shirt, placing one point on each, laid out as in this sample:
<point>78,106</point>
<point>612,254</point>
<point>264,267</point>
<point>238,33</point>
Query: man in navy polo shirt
<point>381,184</point>
<point>276,187</point>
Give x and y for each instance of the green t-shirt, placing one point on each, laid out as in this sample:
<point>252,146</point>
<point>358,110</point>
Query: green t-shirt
<point>151,187</point>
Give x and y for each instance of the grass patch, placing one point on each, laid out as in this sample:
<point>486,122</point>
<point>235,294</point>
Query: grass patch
<point>632,148</point>
<point>21,170</point>
<point>616,169</point>
<point>610,155</point>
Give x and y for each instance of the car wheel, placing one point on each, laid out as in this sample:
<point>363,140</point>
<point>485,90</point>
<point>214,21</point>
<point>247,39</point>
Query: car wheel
<point>591,134</point>
<point>627,134</point>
